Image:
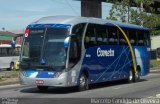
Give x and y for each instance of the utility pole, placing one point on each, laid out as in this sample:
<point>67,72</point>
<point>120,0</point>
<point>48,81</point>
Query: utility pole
<point>91,8</point>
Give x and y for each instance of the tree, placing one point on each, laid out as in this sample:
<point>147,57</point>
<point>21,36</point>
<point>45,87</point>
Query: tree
<point>122,11</point>
<point>119,11</point>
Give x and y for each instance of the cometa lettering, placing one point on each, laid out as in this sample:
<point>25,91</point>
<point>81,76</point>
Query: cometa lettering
<point>105,53</point>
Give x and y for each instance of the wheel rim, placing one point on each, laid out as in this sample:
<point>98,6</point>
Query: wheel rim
<point>12,66</point>
<point>130,76</point>
<point>138,75</point>
<point>82,82</point>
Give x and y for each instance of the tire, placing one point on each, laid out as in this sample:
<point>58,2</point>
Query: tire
<point>83,83</point>
<point>11,66</point>
<point>131,76</point>
<point>137,76</point>
<point>42,88</point>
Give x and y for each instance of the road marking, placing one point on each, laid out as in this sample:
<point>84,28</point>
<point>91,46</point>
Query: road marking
<point>150,97</point>
<point>120,87</point>
<point>158,95</point>
<point>151,74</point>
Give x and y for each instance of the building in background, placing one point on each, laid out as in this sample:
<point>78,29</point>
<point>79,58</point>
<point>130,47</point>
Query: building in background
<point>155,42</point>
<point>9,56</point>
<point>6,37</point>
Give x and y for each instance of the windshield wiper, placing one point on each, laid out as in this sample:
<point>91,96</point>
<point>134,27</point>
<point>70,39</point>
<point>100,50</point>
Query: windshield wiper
<point>30,59</point>
<point>44,66</point>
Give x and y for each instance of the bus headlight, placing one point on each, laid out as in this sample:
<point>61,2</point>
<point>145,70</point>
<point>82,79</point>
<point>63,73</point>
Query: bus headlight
<point>57,74</point>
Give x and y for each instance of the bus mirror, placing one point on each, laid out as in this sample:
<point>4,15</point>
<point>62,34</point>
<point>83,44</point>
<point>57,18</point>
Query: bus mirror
<point>13,44</point>
<point>71,35</point>
<point>66,42</point>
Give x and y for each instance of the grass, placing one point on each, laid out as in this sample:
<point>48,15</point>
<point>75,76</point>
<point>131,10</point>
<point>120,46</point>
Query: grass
<point>8,74</point>
<point>8,77</point>
<point>154,63</point>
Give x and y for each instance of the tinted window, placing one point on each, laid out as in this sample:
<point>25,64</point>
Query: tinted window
<point>140,40</point>
<point>102,34</point>
<point>112,35</point>
<point>147,38</point>
<point>132,36</point>
<point>90,36</point>
<point>122,40</point>
<point>5,52</point>
<point>76,43</point>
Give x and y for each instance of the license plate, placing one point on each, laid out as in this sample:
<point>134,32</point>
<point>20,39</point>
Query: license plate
<point>39,82</point>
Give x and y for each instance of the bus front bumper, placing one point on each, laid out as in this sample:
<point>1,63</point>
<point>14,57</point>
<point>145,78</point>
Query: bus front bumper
<point>60,81</point>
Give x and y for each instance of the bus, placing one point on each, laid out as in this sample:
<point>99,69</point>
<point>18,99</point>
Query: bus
<point>65,51</point>
<point>9,56</point>
<point>158,54</point>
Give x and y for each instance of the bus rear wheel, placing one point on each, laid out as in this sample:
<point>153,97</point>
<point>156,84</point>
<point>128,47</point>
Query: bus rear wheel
<point>42,88</point>
<point>83,83</point>
<point>137,76</point>
<point>131,76</point>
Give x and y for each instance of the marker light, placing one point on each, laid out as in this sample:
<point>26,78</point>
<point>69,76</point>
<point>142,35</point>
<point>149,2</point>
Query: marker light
<point>27,31</point>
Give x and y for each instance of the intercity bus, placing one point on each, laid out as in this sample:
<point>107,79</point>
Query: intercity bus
<point>9,56</point>
<point>67,51</point>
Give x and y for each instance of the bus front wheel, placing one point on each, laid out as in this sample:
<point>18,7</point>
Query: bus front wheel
<point>83,83</point>
<point>11,66</point>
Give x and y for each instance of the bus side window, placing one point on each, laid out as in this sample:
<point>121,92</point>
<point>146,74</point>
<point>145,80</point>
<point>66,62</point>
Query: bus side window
<point>113,36</point>
<point>76,43</point>
<point>132,36</point>
<point>140,35</point>
<point>101,34</point>
<point>4,52</point>
<point>122,40</point>
<point>105,36</point>
<point>90,36</point>
<point>10,52</point>
<point>146,38</point>
<point>73,52</point>
<point>99,30</point>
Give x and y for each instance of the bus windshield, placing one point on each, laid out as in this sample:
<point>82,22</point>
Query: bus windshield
<point>46,44</point>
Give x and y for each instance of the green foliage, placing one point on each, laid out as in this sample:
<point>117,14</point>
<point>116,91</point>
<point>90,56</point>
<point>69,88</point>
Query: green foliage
<point>154,63</point>
<point>122,11</point>
<point>119,11</point>
<point>146,2</point>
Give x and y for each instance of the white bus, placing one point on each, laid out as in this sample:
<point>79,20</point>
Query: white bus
<point>9,56</point>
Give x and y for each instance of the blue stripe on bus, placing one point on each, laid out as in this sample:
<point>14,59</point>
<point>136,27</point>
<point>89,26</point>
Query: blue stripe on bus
<point>127,25</point>
<point>49,25</point>
<point>113,68</point>
<point>40,74</point>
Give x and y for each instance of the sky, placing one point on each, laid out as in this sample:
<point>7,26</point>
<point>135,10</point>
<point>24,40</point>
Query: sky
<point>17,14</point>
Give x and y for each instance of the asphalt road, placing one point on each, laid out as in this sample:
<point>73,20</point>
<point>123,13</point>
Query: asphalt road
<point>149,86</point>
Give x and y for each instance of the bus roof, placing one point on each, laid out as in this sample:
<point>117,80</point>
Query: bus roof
<point>72,20</point>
